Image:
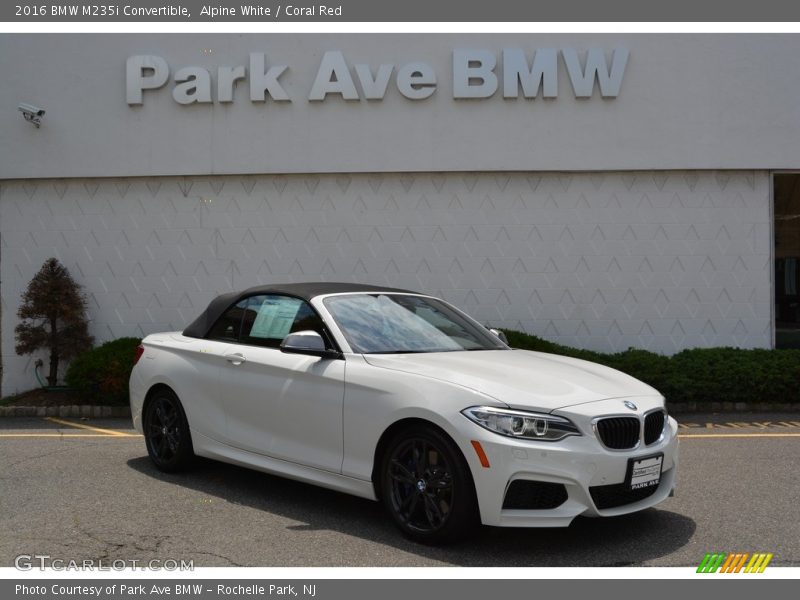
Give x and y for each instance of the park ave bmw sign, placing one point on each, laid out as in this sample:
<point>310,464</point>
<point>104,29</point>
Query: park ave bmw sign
<point>475,73</point>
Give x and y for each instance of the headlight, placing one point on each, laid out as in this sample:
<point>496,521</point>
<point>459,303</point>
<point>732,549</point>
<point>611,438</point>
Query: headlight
<point>521,424</point>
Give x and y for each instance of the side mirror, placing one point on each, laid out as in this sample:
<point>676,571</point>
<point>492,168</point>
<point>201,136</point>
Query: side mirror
<point>501,335</point>
<point>307,342</point>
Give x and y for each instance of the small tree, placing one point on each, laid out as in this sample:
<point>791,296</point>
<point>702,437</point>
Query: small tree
<point>53,314</point>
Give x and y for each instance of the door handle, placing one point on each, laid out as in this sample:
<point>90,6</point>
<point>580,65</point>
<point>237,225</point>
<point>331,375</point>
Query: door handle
<point>235,359</point>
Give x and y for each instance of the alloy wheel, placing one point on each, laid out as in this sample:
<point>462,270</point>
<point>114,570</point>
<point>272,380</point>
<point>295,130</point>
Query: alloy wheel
<point>163,429</point>
<point>166,432</point>
<point>422,489</point>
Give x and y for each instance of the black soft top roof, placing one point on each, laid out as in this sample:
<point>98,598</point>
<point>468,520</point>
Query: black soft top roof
<point>201,325</point>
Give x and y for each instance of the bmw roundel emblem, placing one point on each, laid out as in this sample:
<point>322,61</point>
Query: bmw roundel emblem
<point>629,404</point>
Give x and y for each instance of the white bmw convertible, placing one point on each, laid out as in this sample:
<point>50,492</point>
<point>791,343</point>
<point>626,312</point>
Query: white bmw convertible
<point>400,397</point>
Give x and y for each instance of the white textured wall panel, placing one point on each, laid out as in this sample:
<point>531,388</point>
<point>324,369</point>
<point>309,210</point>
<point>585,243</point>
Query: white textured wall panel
<point>658,260</point>
<point>687,101</point>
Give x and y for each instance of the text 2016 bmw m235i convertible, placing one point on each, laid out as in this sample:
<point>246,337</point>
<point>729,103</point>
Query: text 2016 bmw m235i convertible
<point>400,397</point>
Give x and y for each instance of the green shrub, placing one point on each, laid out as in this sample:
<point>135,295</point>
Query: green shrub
<point>102,373</point>
<point>517,339</point>
<point>735,375</point>
<point>654,369</point>
<point>698,375</point>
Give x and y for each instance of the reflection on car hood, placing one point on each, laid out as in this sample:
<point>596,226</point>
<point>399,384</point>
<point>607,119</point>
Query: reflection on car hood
<point>520,378</point>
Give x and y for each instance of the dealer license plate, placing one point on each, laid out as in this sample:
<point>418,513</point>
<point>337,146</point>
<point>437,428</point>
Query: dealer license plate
<point>644,472</point>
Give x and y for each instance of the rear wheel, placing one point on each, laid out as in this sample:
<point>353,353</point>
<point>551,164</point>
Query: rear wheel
<point>427,487</point>
<point>166,432</point>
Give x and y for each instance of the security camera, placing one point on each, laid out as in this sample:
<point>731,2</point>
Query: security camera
<point>33,114</point>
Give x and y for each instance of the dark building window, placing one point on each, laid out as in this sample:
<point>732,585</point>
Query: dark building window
<point>787,260</point>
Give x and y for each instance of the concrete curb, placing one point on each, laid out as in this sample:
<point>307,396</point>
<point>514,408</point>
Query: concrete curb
<point>74,411</point>
<point>732,407</point>
<point>86,410</point>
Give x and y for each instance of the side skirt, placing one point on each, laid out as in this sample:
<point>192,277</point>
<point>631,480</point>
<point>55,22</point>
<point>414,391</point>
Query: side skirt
<point>209,448</point>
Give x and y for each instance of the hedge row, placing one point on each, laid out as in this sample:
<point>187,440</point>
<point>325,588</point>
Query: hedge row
<point>696,375</point>
<point>701,375</point>
<point>102,373</point>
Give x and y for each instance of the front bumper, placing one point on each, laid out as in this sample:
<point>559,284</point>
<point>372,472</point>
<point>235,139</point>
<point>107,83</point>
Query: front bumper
<point>578,463</point>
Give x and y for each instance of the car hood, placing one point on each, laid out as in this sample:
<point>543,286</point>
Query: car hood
<point>520,378</point>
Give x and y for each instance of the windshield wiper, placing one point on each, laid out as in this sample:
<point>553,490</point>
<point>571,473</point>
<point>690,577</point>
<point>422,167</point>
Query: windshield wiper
<point>474,349</point>
<point>431,351</point>
<point>402,352</point>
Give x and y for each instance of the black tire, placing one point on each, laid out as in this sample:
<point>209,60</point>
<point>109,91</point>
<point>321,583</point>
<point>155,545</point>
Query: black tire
<point>427,487</point>
<point>166,432</point>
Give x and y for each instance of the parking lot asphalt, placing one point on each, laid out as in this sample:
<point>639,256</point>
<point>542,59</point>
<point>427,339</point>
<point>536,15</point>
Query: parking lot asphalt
<point>85,489</point>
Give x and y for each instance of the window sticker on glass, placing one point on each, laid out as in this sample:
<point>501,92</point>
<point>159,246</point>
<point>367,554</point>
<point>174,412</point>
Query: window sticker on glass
<point>275,317</point>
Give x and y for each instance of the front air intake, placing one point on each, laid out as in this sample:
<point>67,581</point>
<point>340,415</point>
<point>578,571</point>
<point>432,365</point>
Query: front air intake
<point>534,495</point>
<point>619,494</point>
<point>618,433</point>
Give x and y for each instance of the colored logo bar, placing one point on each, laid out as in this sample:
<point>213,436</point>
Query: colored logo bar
<point>736,562</point>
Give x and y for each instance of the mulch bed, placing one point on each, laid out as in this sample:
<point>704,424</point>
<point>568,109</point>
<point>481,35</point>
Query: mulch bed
<point>41,397</point>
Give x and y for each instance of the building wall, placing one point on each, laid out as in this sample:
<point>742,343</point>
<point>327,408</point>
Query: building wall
<point>662,260</point>
<point>687,101</point>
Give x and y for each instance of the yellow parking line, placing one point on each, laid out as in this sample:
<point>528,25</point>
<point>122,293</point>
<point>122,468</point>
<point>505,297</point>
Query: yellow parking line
<point>67,435</point>
<point>110,433</point>
<point>737,435</point>
<point>89,427</point>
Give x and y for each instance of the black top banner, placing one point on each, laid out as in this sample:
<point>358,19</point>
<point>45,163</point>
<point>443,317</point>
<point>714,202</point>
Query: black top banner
<point>406,11</point>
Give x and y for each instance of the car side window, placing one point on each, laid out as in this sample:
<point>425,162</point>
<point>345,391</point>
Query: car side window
<point>270,318</point>
<point>228,326</point>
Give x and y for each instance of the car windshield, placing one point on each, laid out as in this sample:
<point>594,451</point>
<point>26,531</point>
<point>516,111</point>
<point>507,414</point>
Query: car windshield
<point>395,323</point>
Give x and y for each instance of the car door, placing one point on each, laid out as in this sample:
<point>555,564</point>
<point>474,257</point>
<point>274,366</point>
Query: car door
<point>201,362</point>
<point>286,406</point>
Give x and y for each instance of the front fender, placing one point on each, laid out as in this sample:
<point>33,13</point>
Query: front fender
<point>377,398</point>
